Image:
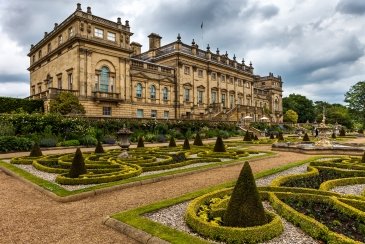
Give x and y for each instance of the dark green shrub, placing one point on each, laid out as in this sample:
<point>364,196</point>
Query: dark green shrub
<point>161,138</point>
<point>13,143</point>
<point>69,143</point>
<point>198,140</point>
<point>333,135</point>
<point>280,136</point>
<point>219,145</point>
<point>342,131</point>
<point>306,137</point>
<point>245,207</point>
<point>272,136</point>
<point>140,142</point>
<point>109,139</point>
<point>48,142</point>
<point>88,140</point>
<point>9,104</point>
<point>7,129</point>
<point>360,131</point>
<point>172,142</point>
<point>186,145</point>
<point>178,157</point>
<point>99,148</point>
<point>247,136</point>
<point>36,151</point>
<point>78,165</point>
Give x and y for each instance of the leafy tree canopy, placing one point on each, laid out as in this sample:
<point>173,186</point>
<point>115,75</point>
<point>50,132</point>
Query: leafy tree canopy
<point>355,98</point>
<point>291,116</point>
<point>66,103</point>
<point>303,106</point>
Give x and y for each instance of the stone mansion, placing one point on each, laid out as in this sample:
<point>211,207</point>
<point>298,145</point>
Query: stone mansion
<point>94,59</point>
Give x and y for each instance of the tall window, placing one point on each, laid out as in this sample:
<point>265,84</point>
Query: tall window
<point>33,58</point>
<point>214,97</point>
<point>139,113</point>
<point>60,39</point>
<point>59,82</point>
<point>139,90</point>
<point>231,80</point>
<point>153,92</point>
<point>187,95</point>
<point>69,81</point>
<point>200,73</point>
<point>99,33</point>
<point>214,76</point>
<point>223,78</point>
<point>49,48</point>
<point>231,101</point>
<point>111,36</point>
<point>276,104</point>
<point>165,114</point>
<point>104,79</point>
<point>70,32</point>
<point>107,111</point>
<point>224,100</point>
<point>165,93</point>
<point>200,97</point>
<point>187,70</point>
<point>153,113</point>
<point>39,54</point>
<point>248,84</point>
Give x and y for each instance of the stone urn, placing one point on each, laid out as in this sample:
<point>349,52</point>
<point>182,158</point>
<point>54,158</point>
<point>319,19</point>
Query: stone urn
<point>123,141</point>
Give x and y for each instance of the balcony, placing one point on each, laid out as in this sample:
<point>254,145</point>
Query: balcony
<point>106,96</point>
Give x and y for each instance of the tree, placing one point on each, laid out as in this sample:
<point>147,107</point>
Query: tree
<point>301,105</point>
<point>355,98</point>
<point>66,103</point>
<point>291,116</point>
<point>334,113</point>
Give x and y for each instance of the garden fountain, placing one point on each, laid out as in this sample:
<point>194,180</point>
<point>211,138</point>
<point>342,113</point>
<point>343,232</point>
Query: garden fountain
<point>123,141</point>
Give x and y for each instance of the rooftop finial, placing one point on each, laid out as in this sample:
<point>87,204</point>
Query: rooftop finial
<point>208,47</point>
<point>55,25</point>
<point>45,33</point>
<point>243,61</point>
<point>226,54</point>
<point>78,8</point>
<point>234,57</point>
<point>218,51</point>
<point>88,10</point>
<point>178,37</point>
<point>250,64</point>
<point>119,21</point>
<point>193,42</point>
<point>127,23</point>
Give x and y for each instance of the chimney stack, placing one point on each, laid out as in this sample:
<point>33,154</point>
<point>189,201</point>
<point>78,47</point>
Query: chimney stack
<point>78,8</point>
<point>89,10</point>
<point>155,41</point>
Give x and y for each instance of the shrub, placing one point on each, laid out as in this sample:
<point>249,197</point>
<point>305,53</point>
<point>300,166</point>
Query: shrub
<point>186,145</point>
<point>7,129</point>
<point>99,148</point>
<point>179,157</point>
<point>88,140</point>
<point>108,139</point>
<point>333,135</point>
<point>272,136</point>
<point>13,143</point>
<point>255,138</point>
<point>36,151</point>
<point>198,140</point>
<point>360,131</point>
<point>172,142</point>
<point>363,158</point>
<point>9,104</point>
<point>78,165</point>
<point>140,142</point>
<point>219,145</point>
<point>306,137</point>
<point>48,142</point>
<point>247,136</point>
<point>342,131</point>
<point>280,136</point>
<point>69,143</point>
<point>161,138</point>
<point>245,207</point>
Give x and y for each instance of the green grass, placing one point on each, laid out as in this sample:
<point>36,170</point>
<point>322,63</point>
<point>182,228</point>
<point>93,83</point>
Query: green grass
<point>62,192</point>
<point>134,217</point>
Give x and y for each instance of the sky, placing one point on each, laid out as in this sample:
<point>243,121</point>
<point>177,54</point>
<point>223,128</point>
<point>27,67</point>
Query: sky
<point>318,47</point>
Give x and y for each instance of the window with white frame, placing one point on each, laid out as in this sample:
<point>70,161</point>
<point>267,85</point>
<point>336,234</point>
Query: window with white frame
<point>200,97</point>
<point>153,113</point>
<point>186,95</point>
<point>165,93</point>
<point>214,97</point>
<point>165,114</point>
<point>139,113</point>
<point>187,70</point>
<point>153,92</point>
<point>107,111</point>
<point>139,90</point>
<point>200,73</point>
<point>99,33</point>
<point>111,36</point>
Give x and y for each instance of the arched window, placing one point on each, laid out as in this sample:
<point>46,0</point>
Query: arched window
<point>276,104</point>
<point>139,90</point>
<point>165,93</point>
<point>104,79</point>
<point>153,92</point>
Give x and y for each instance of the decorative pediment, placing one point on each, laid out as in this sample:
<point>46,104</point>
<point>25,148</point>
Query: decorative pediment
<point>201,87</point>
<point>232,92</point>
<point>224,90</point>
<point>214,88</point>
<point>187,84</point>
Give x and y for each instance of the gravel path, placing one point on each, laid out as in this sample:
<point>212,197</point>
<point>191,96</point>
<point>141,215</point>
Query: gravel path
<point>28,216</point>
<point>350,189</point>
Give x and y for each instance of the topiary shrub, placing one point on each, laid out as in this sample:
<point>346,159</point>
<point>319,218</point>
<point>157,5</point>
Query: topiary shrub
<point>99,148</point>
<point>333,135</point>
<point>36,151</point>
<point>342,131</point>
<point>306,137</point>
<point>186,145</point>
<point>219,145</point>
<point>140,142</point>
<point>245,207</point>
<point>172,142</point>
<point>247,136</point>
<point>78,165</point>
<point>198,140</point>
<point>272,136</point>
<point>280,136</point>
<point>255,138</point>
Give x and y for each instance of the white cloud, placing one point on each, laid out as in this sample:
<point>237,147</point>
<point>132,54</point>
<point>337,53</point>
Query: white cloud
<point>14,89</point>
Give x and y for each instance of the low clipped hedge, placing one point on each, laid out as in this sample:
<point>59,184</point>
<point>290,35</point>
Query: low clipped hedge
<point>23,160</point>
<point>327,185</point>
<point>231,234</point>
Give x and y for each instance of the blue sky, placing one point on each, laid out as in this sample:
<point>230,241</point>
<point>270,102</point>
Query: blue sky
<point>316,46</point>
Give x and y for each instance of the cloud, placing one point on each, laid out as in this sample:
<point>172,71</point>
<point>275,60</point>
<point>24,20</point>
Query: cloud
<point>12,89</point>
<point>354,7</point>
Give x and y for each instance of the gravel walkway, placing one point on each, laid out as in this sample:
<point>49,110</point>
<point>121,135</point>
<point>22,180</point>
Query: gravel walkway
<point>28,216</point>
<point>350,189</point>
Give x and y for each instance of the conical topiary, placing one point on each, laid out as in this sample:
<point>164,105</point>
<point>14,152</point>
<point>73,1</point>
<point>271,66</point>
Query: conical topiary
<point>140,142</point>
<point>99,148</point>
<point>255,138</point>
<point>247,136</point>
<point>245,207</point>
<point>363,158</point>
<point>272,136</point>
<point>198,140</point>
<point>36,151</point>
<point>219,145</point>
<point>78,165</point>
<point>186,145</point>
<point>342,132</point>
<point>306,137</point>
<point>333,135</point>
<point>280,136</point>
<point>172,142</point>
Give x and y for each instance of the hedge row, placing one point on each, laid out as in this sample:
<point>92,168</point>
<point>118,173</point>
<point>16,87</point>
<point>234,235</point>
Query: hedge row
<point>10,104</point>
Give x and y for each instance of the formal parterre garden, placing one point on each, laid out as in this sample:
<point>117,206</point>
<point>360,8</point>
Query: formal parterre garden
<point>102,169</point>
<point>233,213</point>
